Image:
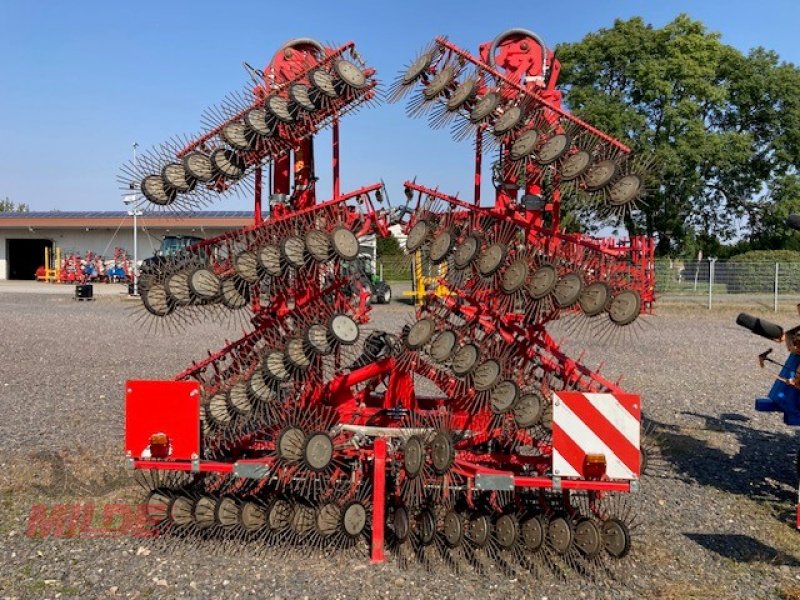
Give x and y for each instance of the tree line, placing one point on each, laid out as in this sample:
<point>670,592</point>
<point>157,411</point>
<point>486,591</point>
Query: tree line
<point>722,128</point>
<point>7,205</point>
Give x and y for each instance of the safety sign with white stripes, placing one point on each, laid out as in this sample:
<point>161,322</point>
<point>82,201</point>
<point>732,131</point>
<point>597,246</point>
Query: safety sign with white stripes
<point>596,429</point>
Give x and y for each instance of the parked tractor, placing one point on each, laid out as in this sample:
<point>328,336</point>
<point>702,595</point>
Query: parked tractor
<point>362,269</point>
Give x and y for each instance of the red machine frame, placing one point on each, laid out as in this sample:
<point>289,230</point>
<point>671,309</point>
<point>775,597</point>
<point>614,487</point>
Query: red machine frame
<point>357,404</point>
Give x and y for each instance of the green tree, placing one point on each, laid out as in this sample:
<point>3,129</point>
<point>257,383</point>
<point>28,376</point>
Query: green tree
<point>723,128</point>
<point>388,246</point>
<point>8,206</point>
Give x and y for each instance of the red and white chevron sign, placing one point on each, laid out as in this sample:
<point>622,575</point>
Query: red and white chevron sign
<point>586,426</point>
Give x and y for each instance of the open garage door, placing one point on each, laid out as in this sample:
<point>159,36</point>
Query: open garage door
<point>25,256</point>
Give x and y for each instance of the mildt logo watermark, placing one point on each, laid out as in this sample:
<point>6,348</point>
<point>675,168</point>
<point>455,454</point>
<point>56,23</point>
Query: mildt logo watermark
<point>90,520</point>
<point>80,520</point>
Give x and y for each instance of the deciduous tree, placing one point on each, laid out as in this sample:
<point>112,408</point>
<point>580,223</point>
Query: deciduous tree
<point>723,127</point>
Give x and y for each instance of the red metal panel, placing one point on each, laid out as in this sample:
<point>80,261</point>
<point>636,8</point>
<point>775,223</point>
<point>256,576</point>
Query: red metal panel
<point>170,407</point>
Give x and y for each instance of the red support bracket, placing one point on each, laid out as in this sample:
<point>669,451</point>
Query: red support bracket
<point>378,501</point>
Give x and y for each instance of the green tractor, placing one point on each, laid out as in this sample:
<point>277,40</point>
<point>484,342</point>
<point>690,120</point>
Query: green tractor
<point>170,246</point>
<point>361,268</point>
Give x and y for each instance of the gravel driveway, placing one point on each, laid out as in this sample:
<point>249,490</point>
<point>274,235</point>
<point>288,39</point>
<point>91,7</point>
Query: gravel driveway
<point>716,517</point>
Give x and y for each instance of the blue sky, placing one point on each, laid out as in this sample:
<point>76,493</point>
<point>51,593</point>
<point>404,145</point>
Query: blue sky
<point>81,81</point>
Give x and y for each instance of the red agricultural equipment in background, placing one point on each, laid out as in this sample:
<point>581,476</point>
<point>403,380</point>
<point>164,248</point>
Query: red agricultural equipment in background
<point>90,267</point>
<point>467,435</point>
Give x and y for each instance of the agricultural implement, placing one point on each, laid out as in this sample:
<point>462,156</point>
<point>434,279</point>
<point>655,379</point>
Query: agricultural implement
<point>465,435</point>
<point>784,395</point>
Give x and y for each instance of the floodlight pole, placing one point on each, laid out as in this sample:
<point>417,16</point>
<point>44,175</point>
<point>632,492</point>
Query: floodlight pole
<point>131,200</point>
<point>136,212</point>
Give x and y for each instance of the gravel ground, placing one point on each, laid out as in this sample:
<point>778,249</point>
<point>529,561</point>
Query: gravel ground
<point>716,517</point>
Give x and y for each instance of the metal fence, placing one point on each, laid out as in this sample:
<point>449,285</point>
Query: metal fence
<point>707,281</point>
<point>716,280</point>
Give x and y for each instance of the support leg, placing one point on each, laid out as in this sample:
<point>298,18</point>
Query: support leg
<point>378,501</point>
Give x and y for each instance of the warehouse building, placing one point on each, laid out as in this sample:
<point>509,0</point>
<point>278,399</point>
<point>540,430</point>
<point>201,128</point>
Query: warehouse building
<point>25,235</point>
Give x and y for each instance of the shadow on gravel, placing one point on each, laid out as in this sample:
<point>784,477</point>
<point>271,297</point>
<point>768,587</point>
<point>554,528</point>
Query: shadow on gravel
<point>762,468</point>
<point>66,481</point>
<point>742,548</point>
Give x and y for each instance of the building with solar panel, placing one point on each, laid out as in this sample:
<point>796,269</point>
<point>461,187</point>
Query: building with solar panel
<point>25,235</point>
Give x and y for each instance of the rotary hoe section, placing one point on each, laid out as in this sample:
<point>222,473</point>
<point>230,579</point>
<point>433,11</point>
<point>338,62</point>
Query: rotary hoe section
<point>466,437</point>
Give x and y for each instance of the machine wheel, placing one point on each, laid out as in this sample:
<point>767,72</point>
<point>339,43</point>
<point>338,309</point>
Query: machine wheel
<point>465,360</point>
<point>322,84</point>
<point>560,534</point>
<point>504,396</point>
<point>327,519</point>
<point>228,163</point>
<point>199,166</point>
<point>258,121</point>
<point>484,107</point>
<point>344,329</point>
<point>417,68</point>
<point>568,290</point>
<point>595,298</point>
<point>237,135</point>
<point>156,191</point>
<point>413,456</point>
<point>625,190</point>
<point>400,524</point>
<point>524,145</point>
<point>204,284</point>
<point>625,307</point>
<point>299,94</point>
<point>462,94</point>
<point>510,119</point>
<point>344,243</point>
<point>293,251</point>
<point>156,300</point>
<point>507,531</point>
<point>533,532</point>
<point>575,165</point>
<point>528,409</point>
<point>252,516</point>
<point>318,451</point>
<point>443,346</point>
<point>553,149</point>
<point>443,453</point>
<point>616,538</point>
<point>439,83</point>
<point>426,522</point>
<point>269,258</point>
<point>176,177</point>
<point>480,530</point>
<point>382,294</point>
<point>466,251</point>
<point>543,282</point>
<point>279,108</point>
<point>599,175</point>
<point>453,529</point>
<point>349,74</point>
<point>588,537</point>
<point>354,519</point>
